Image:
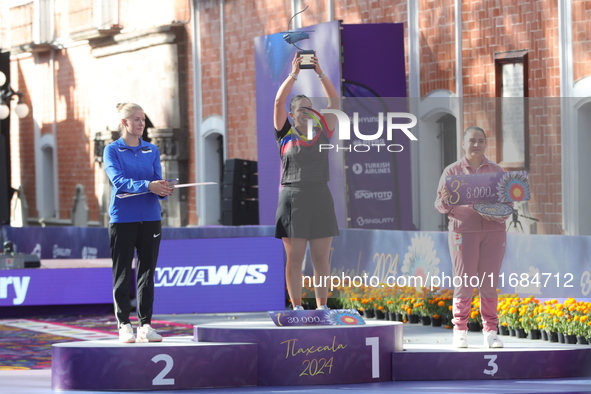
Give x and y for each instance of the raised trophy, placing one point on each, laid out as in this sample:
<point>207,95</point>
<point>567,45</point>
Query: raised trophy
<point>293,36</point>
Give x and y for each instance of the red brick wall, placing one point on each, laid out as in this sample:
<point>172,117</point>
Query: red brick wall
<point>581,38</point>
<point>545,165</point>
<point>75,149</point>
<point>209,12</point>
<point>489,26</point>
<point>437,40</point>
<point>243,23</point>
<point>498,26</point>
<point>191,194</point>
<point>22,148</point>
<point>501,25</point>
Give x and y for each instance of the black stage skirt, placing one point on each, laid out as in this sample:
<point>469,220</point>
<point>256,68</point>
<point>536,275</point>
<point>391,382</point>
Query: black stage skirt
<point>305,211</point>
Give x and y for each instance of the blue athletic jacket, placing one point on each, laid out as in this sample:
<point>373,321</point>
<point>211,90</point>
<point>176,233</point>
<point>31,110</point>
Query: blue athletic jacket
<point>131,169</point>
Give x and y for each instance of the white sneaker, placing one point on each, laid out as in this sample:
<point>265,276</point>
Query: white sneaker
<point>322,308</point>
<point>460,339</point>
<point>146,333</point>
<point>126,334</point>
<point>298,308</point>
<point>492,340</point>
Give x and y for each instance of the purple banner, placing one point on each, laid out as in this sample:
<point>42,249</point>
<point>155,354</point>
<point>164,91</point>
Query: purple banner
<point>493,187</point>
<point>219,275</point>
<point>273,64</point>
<point>543,266</point>
<point>93,242</point>
<point>332,317</point>
<point>378,161</point>
<point>64,286</point>
<point>59,242</point>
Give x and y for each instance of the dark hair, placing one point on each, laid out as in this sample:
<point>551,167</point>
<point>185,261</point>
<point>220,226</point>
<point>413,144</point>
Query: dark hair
<point>473,128</point>
<point>296,98</point>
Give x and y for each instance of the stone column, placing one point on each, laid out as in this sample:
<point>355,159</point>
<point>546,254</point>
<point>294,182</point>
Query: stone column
<point>102,139</point>
<point>172,144</point>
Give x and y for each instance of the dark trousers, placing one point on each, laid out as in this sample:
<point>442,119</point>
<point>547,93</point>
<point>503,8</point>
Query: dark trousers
<point>126,238</point>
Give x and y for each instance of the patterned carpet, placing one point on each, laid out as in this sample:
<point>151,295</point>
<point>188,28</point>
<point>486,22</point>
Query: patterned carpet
<point>31,349</point>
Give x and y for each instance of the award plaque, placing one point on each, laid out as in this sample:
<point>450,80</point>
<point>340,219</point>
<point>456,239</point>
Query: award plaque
<point>487,188</point>
<point>328,317</point>
<point>306,56</point>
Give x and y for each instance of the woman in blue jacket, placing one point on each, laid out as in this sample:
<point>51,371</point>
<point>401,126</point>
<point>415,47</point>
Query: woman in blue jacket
<point>133,166</point>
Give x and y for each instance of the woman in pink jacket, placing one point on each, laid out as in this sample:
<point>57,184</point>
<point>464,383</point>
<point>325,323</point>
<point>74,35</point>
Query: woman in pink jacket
<point>476,244</point>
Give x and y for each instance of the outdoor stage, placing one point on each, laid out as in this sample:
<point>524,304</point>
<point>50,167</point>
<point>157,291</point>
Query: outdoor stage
<point>415,338</point>
<point>222,270</point>
<point>258,353</point>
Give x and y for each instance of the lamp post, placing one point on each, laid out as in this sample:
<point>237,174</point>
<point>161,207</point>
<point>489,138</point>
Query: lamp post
<point>21,110</point>
<point>6,94</point>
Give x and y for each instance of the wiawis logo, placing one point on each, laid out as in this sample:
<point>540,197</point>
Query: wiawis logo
<point>211,275</point>
<point>371,142</point>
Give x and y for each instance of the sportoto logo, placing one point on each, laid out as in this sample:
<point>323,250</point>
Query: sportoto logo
<point>366,194</point>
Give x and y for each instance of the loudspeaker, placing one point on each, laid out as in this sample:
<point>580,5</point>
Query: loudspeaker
<point>240,192</point>
<point>32,261</point>
<point>241,216</point>
<point>240,165</point>
<point>240,205</point>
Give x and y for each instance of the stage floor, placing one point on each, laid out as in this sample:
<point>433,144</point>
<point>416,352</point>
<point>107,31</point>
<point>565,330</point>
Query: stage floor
<point>416,337</point>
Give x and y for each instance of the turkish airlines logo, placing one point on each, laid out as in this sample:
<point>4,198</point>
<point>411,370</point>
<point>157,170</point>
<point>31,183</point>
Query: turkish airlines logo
<point>249,274</point>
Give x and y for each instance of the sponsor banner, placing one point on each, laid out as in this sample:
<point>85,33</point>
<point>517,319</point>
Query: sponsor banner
<point>247,274</point>
<point>493,187</point>
<point>545,266</point>
<point>220,275</point>
<point>59,242</point>
<point>64,286</point>
<point>273,58</point>
<point>93,243</point>
<point>378,154</point>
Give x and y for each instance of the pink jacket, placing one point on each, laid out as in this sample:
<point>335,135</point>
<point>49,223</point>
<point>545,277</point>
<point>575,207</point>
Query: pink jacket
<point>463,218</point>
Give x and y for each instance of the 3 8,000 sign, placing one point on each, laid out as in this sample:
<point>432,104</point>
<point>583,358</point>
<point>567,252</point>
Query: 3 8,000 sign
<point>479,192</point>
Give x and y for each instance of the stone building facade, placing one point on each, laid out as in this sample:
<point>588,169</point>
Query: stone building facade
<point>190,64</point>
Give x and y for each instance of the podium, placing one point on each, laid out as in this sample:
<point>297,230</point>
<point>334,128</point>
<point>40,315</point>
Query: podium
<point>237,354</point>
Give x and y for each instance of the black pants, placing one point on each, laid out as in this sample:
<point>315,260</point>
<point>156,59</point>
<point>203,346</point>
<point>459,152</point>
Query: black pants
<point>126,238</point>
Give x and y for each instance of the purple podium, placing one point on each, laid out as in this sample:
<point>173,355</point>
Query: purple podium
<point>307,355</point>
<point>175,363</point>
<point>235,354</point>
<point>523,361</point>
